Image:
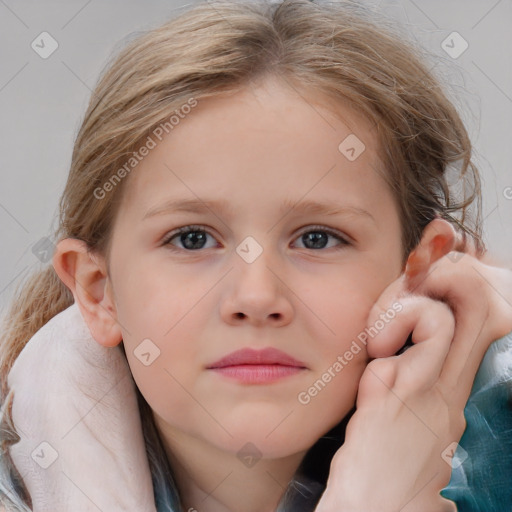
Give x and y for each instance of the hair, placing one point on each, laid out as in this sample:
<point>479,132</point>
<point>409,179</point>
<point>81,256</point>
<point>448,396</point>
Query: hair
<point>336,50</point>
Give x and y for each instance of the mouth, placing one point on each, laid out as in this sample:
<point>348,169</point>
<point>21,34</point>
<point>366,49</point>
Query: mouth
<point>251,366</point>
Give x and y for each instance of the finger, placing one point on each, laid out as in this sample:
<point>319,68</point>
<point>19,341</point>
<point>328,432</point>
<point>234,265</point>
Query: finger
<point>454,278</point>
<point>428,321</point>
<point>386,308</point>
<point>464,359</point>
<point>466,284</point>
<point>392,319</point>
<point>432,336</point>
<point>378,378</point>
<point>462,285</point>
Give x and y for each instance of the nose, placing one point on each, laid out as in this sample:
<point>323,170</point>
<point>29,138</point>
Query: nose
<point>257,294</point>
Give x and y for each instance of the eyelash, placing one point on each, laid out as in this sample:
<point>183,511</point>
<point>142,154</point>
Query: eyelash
<point>193,228</point>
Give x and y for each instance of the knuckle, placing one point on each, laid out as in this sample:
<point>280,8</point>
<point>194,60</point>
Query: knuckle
<point>382,370</point>
<point>445,313</point>
<point>381,365</point>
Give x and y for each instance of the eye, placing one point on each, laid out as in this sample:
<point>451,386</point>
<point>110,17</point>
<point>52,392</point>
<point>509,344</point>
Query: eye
<point>316,237</point>
<point>194,238</point>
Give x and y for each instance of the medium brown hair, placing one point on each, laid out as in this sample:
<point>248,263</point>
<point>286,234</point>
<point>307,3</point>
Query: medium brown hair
<point>219,47</point>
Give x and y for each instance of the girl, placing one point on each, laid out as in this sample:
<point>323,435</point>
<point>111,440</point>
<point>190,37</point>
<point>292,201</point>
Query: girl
<point>270,180</point>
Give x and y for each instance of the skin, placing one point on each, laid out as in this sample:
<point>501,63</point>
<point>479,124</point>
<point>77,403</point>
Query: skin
<point>257,148</point>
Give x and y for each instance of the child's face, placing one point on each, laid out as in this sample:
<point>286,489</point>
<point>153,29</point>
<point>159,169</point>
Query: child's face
<point>201,298</point>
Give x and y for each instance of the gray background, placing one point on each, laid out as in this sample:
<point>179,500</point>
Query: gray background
<point>43,100</point>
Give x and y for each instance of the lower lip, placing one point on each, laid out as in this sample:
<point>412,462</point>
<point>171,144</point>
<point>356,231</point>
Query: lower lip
<point>258,374</point>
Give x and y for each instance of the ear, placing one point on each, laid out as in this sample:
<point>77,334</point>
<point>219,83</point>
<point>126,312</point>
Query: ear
<point>438,238</point>
<point>85,274</point>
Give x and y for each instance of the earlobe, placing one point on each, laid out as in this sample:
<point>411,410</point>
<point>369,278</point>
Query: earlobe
<point>84,273</point>
<point>438,238</point>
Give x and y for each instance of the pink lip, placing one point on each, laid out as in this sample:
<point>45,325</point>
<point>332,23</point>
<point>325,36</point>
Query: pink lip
<point>257,366</point>
<point>267,356</point>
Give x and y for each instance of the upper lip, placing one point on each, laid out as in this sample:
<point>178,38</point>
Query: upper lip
<point>257,357</point>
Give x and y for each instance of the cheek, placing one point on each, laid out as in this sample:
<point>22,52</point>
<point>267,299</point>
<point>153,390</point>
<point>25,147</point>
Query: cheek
<point>165,375</point>
<point>341,304</point>
<point>156,304</point>
<point>359,287</point>
<point>331,390</point>
<point>159,325</point>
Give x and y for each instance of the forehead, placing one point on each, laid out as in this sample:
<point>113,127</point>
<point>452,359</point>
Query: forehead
<point>265,138</point>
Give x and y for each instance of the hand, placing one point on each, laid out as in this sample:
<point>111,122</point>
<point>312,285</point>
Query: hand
<point>477,289</point>
<point>410,406</point>
<point>406,415</point>
<point>75,409</point>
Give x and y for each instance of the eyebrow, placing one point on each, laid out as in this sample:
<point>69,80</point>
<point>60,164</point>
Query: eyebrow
<point>223,207</point>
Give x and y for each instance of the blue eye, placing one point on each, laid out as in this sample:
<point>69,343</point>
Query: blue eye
<point>318,237</point>
<point>193,238</point>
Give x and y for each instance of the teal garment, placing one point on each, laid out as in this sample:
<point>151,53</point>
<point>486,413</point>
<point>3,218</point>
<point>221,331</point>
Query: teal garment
<point>166,500</point>
<point>481,479</point>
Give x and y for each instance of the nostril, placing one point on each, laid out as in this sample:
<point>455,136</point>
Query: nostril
<point>240,315</point>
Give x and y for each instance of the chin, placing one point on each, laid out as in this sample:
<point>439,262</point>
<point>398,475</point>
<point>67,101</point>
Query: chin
<point>266,443</point>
